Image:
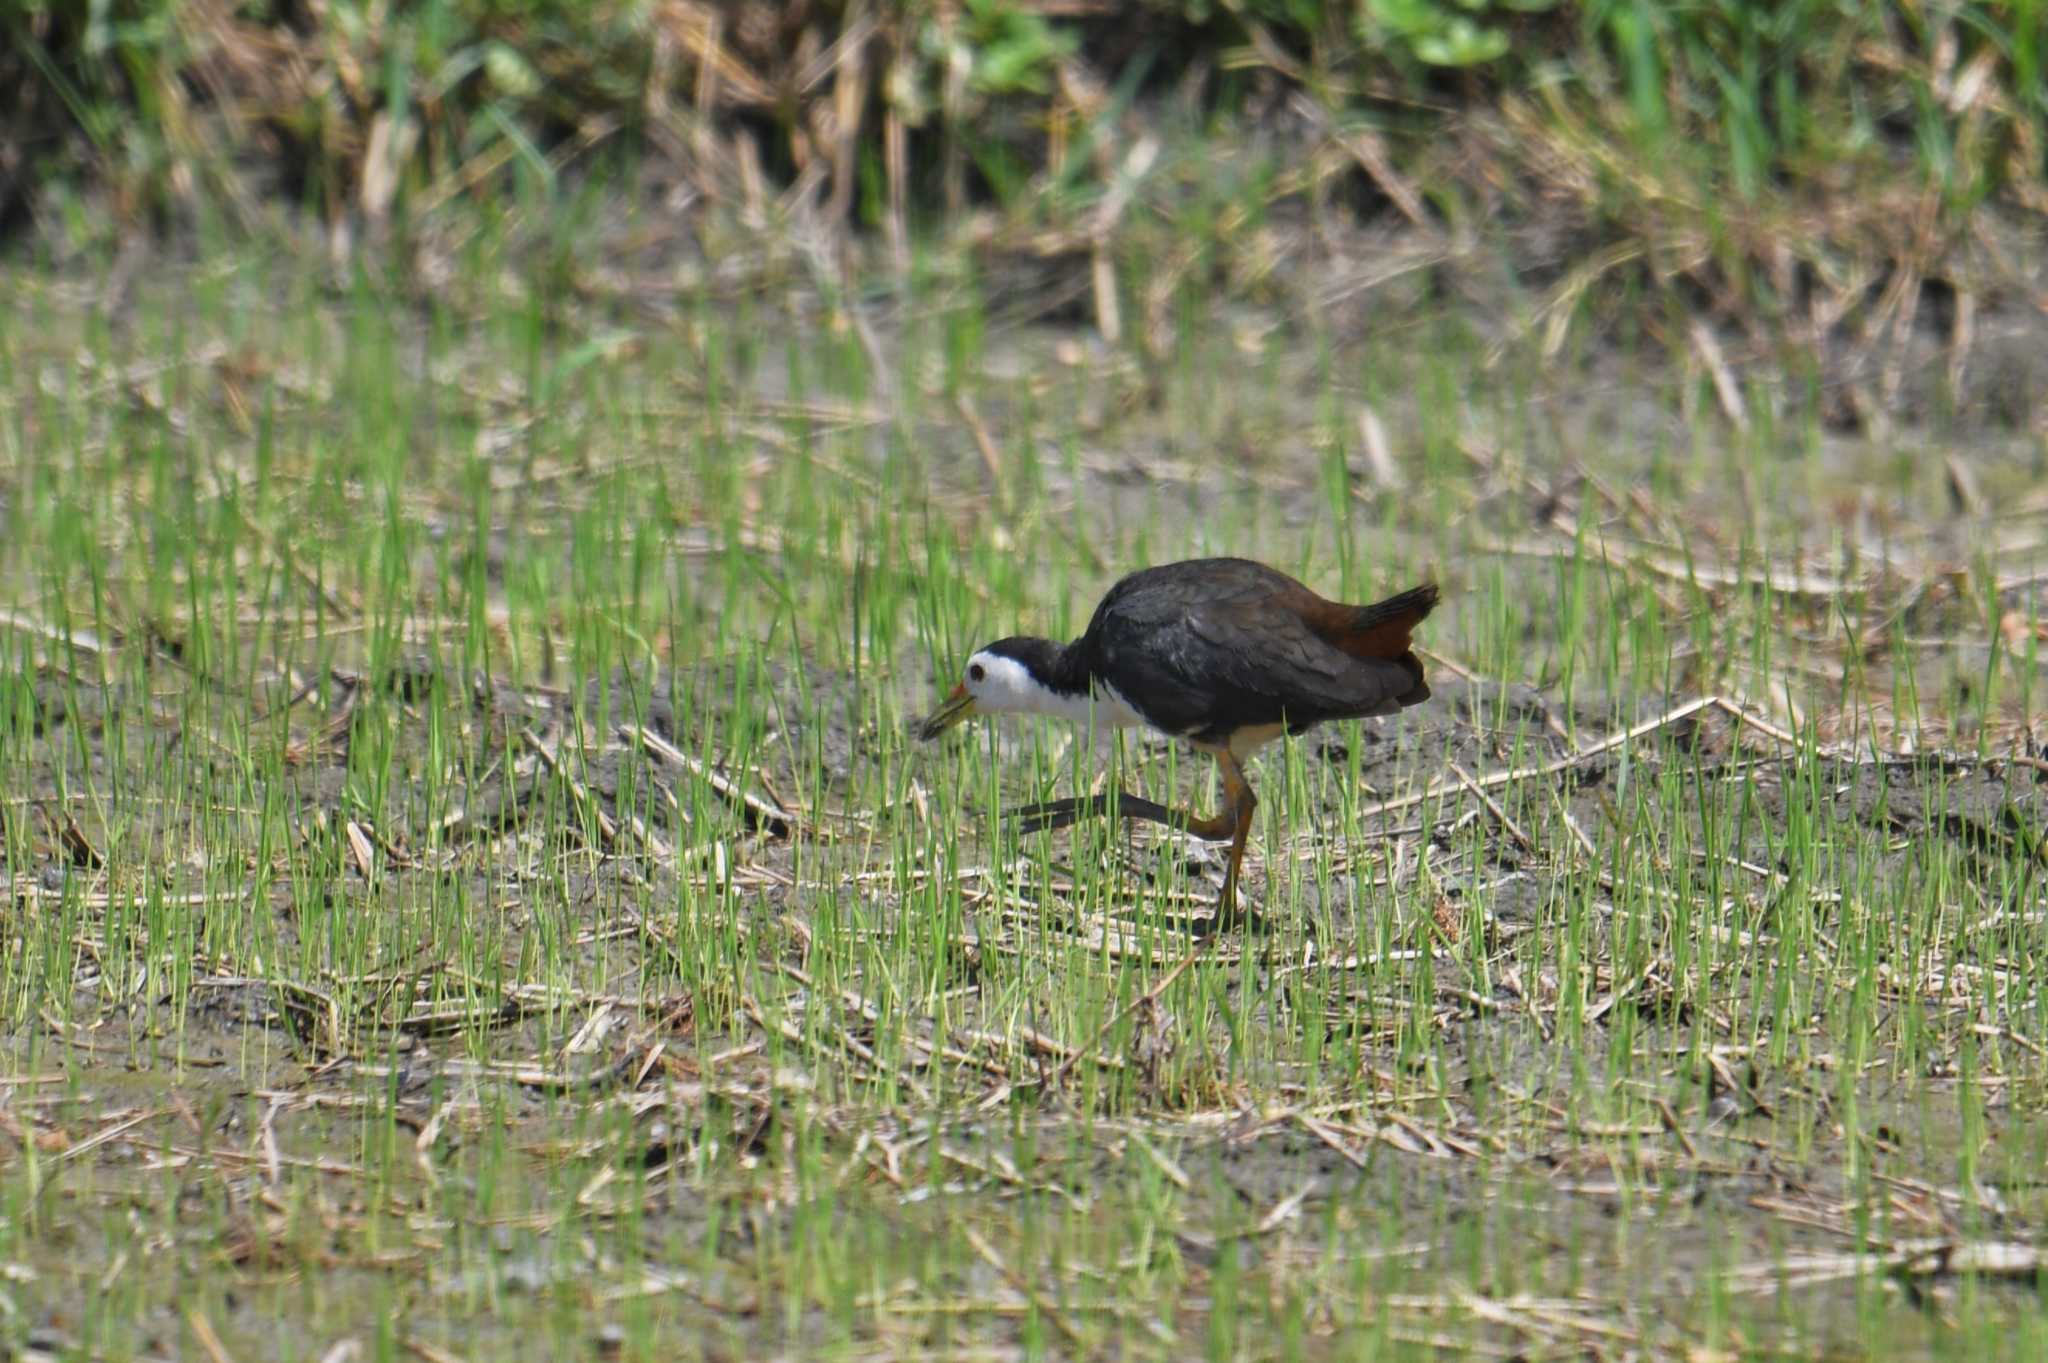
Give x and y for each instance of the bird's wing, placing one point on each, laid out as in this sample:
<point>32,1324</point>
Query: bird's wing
<point>1271,652</point>
<point>1199,661</point>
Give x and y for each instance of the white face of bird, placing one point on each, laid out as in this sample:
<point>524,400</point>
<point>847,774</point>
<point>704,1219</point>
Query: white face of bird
<point>994,685</point>
<point>998,684</point>
<point>1003,686</point>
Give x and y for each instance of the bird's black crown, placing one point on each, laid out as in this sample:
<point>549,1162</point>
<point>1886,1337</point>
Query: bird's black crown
<point>1048,662</point>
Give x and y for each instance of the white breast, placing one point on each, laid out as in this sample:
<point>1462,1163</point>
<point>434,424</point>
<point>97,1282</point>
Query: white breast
<point>1112,708</point>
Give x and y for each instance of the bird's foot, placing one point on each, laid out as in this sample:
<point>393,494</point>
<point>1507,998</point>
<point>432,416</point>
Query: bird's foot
<point>1047,816</point>
<point>1054,814</point>
<point>1229,918</point>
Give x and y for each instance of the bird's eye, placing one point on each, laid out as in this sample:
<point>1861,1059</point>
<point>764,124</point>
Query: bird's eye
<point>976,672</point>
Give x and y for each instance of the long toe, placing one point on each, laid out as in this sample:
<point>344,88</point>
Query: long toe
<point>1052,814</point>
<point>1231,914</point>
<point>1049,815</point>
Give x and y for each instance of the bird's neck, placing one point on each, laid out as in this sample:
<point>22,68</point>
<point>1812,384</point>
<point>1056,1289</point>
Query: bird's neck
<point>1066,671</point>
<point>1059,681</point>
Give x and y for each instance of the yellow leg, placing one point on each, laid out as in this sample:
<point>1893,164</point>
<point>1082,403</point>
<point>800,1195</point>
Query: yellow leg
<point>1232,823</point>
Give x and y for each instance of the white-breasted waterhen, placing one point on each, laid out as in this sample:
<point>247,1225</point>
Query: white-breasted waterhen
<point>1223,652</point>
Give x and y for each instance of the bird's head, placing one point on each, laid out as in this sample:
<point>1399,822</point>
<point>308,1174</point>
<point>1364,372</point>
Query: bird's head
<point>1008,677</point>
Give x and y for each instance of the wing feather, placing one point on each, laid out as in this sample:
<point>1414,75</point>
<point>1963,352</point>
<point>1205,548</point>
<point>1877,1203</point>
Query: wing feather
<point>1203,657</point>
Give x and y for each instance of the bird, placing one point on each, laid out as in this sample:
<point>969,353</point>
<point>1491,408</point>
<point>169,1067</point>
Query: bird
<point>1223,653</point>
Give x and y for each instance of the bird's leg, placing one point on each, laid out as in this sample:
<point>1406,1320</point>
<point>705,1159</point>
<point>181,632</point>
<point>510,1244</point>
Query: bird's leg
<point>1043,818</point>
<point>1232,823</point>
<point>1051,814</point>
<point>1238,804</point>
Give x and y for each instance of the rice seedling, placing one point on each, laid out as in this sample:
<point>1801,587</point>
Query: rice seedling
<point>474,889</point>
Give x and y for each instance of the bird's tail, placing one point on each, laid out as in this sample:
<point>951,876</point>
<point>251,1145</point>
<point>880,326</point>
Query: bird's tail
<point>1386,629</point>
<point>1383,629</point>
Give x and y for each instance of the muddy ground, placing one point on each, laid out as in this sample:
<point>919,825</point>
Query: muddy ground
<point>207,1065</point>
<point>487,1004</point>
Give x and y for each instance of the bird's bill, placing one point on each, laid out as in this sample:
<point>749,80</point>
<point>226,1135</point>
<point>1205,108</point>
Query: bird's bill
<point>957,706</point>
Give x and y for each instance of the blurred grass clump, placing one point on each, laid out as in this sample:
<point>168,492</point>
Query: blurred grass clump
<point>1804,168</point>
